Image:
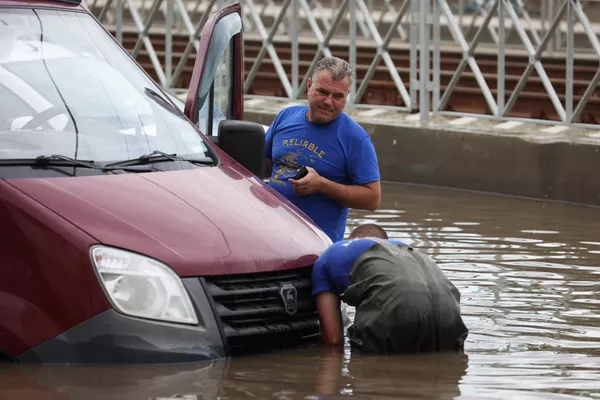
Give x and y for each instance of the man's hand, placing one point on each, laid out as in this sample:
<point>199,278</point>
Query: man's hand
<point>330,318</point>
<point>310,184</point>
<point>363,197</point>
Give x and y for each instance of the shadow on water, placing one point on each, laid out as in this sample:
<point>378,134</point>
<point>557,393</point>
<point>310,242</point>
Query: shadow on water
<point>528,276</point>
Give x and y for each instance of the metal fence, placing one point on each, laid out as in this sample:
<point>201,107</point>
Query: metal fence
<point>559,28</point>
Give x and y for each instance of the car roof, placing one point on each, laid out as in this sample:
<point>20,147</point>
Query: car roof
<point>70,4</point>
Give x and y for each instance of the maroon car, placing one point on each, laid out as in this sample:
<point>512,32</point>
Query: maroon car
<point>128,235</point>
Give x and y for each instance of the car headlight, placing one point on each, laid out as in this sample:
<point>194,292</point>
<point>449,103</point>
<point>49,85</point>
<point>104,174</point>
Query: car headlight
<point>142,287</point>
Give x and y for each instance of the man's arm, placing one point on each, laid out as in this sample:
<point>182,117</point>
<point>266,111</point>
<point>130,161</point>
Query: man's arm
<point>330,318</point>
<point>330,371</point>
<point>365,197</point>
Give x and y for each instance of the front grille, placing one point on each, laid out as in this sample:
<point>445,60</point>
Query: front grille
<point>253,314</point>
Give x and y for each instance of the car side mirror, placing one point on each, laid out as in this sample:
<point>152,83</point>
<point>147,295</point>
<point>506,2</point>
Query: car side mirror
<point>244,141</point>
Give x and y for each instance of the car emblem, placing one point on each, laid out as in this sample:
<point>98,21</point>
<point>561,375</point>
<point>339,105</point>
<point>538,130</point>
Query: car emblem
<point>289,295</point>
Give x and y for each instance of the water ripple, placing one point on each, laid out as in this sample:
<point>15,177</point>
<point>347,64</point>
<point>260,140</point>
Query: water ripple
<point>528,277</point>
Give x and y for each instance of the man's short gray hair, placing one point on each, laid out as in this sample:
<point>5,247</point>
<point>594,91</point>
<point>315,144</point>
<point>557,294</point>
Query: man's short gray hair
<point>337,67</point>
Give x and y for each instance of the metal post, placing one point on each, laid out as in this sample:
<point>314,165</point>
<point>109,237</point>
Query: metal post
<point>424,60</point>
<point>120,21</point>
<point>570,55</point>
<point>501,60</point>
<point>593,37</point>
<point>294,34</point>
<point>436,56</point>
<point>352,49</point>
<point>168,42</point>
<point>414,38</point>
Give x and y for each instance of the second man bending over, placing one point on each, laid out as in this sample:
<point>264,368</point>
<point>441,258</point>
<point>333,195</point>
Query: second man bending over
<point>343,171</point>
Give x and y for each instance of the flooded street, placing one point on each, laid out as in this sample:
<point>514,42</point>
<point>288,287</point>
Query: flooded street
<point>528,274</point>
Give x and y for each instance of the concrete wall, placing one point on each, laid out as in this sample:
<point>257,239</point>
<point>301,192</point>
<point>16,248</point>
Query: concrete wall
<point>482,161</point>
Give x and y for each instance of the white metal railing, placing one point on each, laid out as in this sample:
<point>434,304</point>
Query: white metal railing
<point>423,28</point>
<point>571,10</point>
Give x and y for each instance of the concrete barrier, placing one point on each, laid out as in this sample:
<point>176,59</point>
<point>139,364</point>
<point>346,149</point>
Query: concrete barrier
<point>537,161</point>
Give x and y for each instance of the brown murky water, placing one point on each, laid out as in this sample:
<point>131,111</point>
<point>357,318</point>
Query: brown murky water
<point>528,274</point>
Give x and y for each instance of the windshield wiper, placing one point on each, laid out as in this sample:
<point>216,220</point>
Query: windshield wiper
<point>52,160</point>
<point>57,160</point>
<point>159,156</point>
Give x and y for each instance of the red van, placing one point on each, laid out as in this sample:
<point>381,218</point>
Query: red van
<point>126,234</point>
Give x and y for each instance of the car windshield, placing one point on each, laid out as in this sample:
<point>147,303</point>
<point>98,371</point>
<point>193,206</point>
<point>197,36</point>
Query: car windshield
<point>67,88</point>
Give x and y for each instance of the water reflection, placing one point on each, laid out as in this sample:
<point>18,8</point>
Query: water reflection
<point>307,373</point>
<point>528,275</point>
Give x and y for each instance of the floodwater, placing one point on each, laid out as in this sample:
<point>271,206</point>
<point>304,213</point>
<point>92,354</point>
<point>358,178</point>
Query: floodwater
<point>528,274</point>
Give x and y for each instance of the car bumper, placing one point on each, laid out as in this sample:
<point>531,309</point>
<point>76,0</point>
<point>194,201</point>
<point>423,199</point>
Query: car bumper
<point>111,337</point>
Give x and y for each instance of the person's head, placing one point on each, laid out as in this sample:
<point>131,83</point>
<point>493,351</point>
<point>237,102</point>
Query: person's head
<point>368,230</point>
<point>328,88</point>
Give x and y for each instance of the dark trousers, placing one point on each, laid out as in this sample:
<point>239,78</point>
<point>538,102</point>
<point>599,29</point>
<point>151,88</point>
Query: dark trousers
<point>404,303</point>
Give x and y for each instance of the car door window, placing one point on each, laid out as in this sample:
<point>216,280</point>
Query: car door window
<point>215,94</point>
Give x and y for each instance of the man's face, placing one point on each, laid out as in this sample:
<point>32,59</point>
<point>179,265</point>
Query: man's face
<point>326,97</point>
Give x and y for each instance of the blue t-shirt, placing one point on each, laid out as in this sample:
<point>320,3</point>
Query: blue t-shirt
<point>341,151</point>
<point>331,272</point>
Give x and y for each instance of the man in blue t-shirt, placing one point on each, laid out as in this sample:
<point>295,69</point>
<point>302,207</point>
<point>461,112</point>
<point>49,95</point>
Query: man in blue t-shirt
<point>404,302</point>
<point>343,171</point>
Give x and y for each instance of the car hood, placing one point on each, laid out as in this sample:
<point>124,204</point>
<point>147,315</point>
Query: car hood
<point>204,221</point>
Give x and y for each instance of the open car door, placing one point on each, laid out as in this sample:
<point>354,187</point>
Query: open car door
<point>216,87</point>
<point>215,100</point>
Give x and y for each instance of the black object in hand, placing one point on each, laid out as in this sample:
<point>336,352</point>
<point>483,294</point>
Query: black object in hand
<point>302,172</point>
